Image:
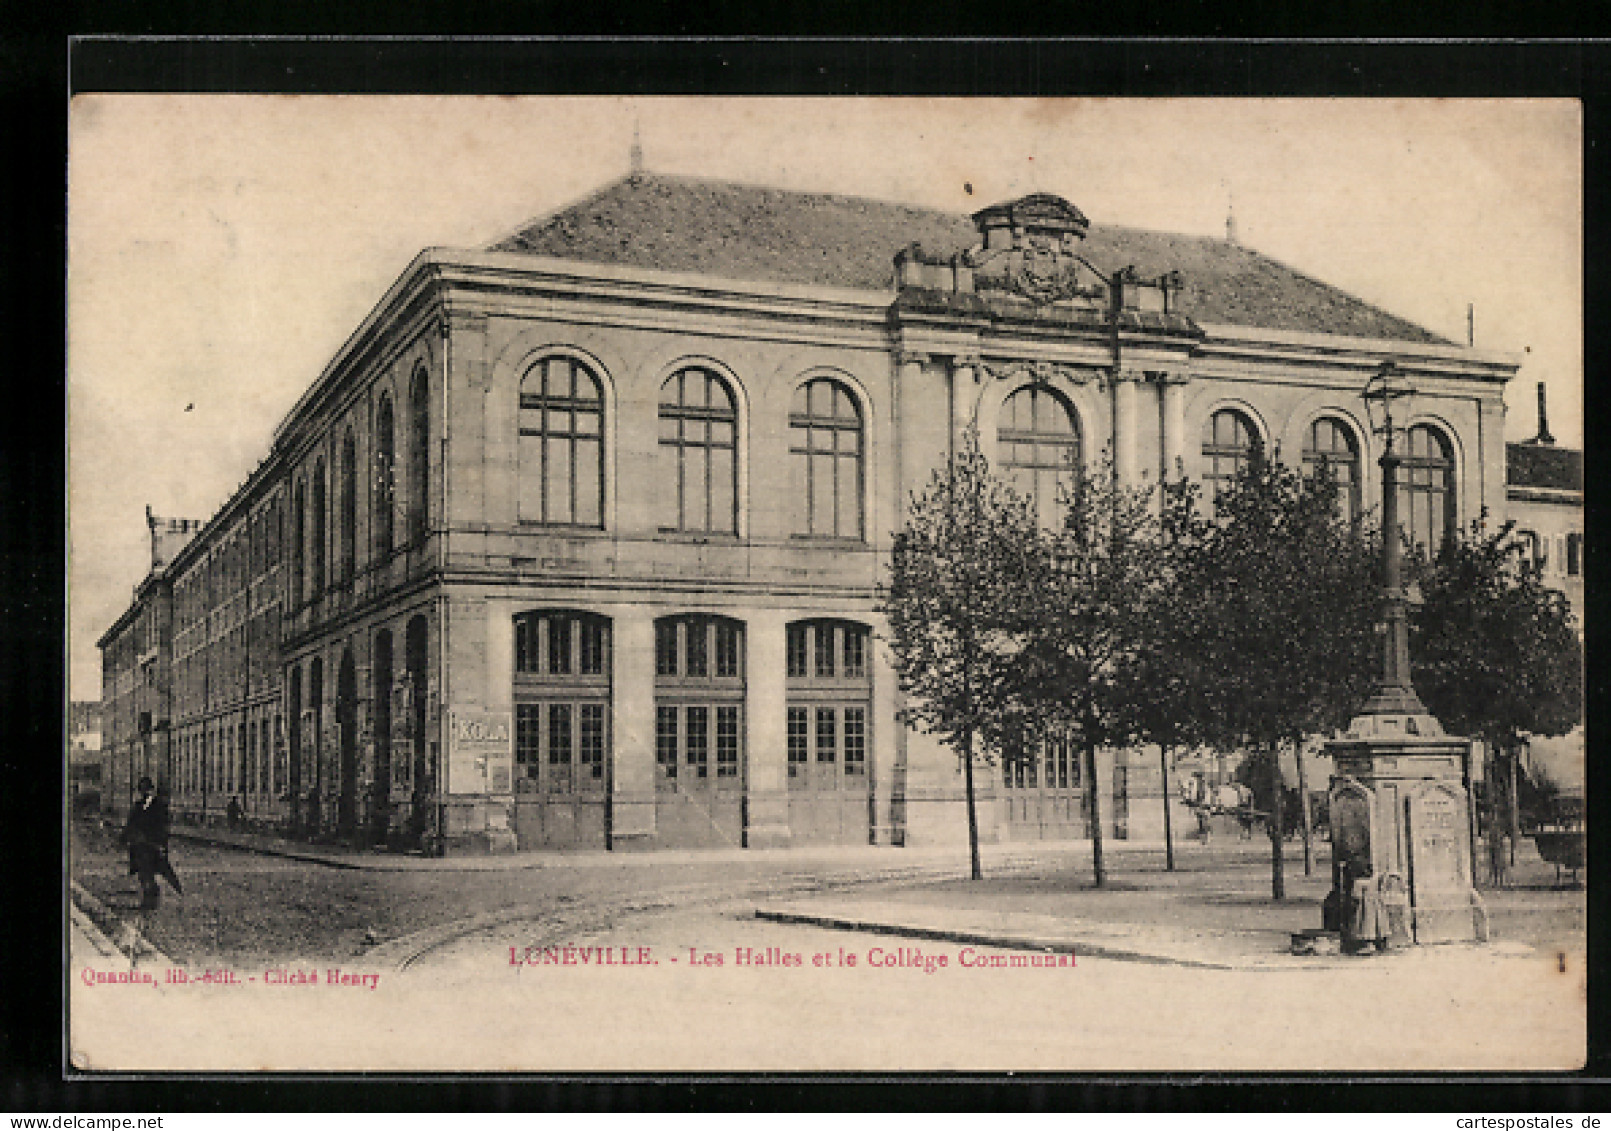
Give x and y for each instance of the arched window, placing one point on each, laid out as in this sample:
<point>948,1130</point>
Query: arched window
<point>561,444</point>
<point>1426,488</point>
<point>698,453</point>
<point>299,538</point>
<point>1329,443</point>
<point>385,478</point>
<point>419,456</point>
<point>825,456</point>
<point>349,509</point>
<point>1227,444</point>
<point>1039,441</point>
<point>318,547</point>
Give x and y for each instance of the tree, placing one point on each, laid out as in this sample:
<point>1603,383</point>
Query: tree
<point>1494,653</point>
<point>1165,693</point>
<point>1274,608</point>
<point>955,601</point>
<point>1078,675</point>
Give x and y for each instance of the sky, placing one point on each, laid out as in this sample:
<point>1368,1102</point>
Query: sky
<point>221,248</point>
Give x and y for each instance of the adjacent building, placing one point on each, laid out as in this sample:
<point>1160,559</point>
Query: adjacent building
<point>577,540</point>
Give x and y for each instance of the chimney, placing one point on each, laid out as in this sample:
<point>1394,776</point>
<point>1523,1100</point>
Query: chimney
<point>1230,222</point>
<point>1543,436</point>
<point>635,155</point>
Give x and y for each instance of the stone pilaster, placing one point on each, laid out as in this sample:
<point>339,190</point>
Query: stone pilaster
<point>765,711</point>
<point>632,784</point>
<point>1126,426</point>
<point>964,397</point>
<point>1172,406</point>
<point>889,751</point>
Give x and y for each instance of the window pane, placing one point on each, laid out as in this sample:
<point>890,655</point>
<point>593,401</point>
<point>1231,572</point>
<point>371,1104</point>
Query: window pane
<point>798,740</point>
<point>527,729</point>
<point>665,739</point>
<point>695,493</point>
<point>559,734</point>
<point>696,658</point>
<point>722,491</point>
<point>848,491</point>
<point>592,745</point>
<point>592,648</point>
<point>589,494</point>
<point>855,652</point>
<point>665,647</point>
<point>559,646</point>
<point>559,481</point>
<point>670,487</point>
<point>726,742</point>
<point>726,651</point>
<point>822,501</point>
<point>826,736</point>
<point>797,651</point>
<point>824,651</point>
<point>855,740</point>
<point>531,477</point>
<point>699,740</point>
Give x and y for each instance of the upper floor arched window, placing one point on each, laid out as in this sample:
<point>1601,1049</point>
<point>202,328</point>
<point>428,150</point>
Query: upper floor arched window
<point>1330,444</point>
<point>419,456</point>
<point>348,517</point>
<point>561,444</point>
<point>1426,488</point>
<point>299,541</point>
<point>320,517</point>
<point>1038,438</point>
<point>698,453</point>
<point>825,458</point>
<point>385,478</point>
<point>1228,440</point>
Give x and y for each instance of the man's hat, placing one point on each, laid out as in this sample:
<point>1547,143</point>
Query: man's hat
<point>145,783</point>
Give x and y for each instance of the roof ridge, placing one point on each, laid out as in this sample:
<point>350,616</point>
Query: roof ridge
<point>544,217</point>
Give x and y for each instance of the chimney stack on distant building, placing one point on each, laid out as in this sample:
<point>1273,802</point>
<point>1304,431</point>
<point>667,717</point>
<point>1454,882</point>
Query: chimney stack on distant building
<point>1543,436</point>
<point>1230,222</point>
<point>168,537</point>
<point>635,155</point>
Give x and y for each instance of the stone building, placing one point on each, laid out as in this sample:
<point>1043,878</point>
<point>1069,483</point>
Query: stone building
<point>1544,497</point>
<point>576,540</point>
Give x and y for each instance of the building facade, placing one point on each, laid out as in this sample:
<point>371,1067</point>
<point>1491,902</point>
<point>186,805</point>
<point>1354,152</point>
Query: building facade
<point>1544,498</point>
<point>577,540</point>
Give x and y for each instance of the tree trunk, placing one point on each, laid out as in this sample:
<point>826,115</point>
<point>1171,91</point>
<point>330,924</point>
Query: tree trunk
<point>1096,815</point>
<point>1515,804</point>
<point>1278,879</point>
<point>973,817</point>
<point>1308,820</point>
<point>1169,828</point>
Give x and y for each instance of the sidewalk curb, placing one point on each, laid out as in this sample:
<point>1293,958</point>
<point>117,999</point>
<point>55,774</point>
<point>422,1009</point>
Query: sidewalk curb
<point>981,938</point>
<point>121,934</point>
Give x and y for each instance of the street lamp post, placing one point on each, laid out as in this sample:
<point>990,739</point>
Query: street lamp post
<point>1400,798</point>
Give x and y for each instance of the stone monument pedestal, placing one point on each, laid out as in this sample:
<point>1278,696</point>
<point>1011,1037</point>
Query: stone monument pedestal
<point>1401,830</point>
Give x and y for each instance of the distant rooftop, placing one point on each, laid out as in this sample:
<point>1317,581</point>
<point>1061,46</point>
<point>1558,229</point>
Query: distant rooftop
<point>1532,464</point>
<point>749,232</point>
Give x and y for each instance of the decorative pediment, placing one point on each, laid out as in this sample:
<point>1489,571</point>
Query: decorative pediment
<point>1039,212</point>
<point>1030,248</point>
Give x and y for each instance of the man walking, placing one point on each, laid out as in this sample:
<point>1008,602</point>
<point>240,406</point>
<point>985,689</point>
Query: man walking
<point>146,834</point>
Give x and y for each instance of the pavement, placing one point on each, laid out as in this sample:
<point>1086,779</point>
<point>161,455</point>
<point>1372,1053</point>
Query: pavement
<point>1214,912</point>
<point>874,857</point>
